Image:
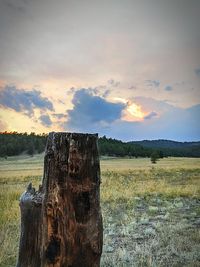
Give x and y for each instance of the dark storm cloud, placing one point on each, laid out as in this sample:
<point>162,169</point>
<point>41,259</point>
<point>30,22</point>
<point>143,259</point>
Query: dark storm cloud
<point>45,120</point>
<point>197,72</point>
<point>153,83</point>
<point>150,115</point>
<point>168,88</point>
<point>91,109</point>
<point>24,101</point>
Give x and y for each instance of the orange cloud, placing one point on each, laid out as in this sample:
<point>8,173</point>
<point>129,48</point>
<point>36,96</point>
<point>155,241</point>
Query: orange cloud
<point>133,111</point>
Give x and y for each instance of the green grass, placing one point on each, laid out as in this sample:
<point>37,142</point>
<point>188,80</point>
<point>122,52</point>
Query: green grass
<point>151,212</point>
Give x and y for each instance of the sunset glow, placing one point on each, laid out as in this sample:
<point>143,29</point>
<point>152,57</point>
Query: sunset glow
<point>135,111</point>
<point>135,74</point>
<point>132,112</point>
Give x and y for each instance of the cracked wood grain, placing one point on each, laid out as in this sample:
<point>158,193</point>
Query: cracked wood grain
<point>61,223</point>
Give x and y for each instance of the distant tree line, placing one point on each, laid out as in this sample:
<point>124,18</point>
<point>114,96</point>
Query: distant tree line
<point>113,147</point>
<point>171,148</point>
<point>14,143</point>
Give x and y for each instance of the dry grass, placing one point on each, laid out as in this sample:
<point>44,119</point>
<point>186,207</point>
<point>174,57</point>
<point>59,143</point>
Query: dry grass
<point>150,212</point>
<point>170,183</point>
<point>122,164</point>
<point>170,246</point>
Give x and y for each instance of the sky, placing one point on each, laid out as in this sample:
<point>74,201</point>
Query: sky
<point>125,69</point>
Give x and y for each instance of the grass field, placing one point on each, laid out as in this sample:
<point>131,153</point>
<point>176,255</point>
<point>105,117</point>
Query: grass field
<point>151,212</point>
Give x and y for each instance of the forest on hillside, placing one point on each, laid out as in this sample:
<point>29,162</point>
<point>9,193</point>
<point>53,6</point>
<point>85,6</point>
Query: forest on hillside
<point>14,143</point>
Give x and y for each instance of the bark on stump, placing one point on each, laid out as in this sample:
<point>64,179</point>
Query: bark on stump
<point>61,223</point>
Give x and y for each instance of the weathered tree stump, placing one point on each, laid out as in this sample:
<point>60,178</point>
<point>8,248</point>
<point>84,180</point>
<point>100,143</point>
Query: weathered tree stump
<point>61,223</point>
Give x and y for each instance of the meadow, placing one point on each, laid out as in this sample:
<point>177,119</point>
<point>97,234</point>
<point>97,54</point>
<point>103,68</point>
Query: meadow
<point>151,212</point>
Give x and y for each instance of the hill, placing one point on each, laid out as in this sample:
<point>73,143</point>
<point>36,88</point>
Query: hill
<point>161,143</point>
<point>172,148</point>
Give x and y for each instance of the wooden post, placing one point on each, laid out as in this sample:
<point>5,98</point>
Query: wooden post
<point>61,223</point>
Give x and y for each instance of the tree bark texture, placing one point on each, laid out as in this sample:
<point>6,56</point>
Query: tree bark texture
<point>61,223</point>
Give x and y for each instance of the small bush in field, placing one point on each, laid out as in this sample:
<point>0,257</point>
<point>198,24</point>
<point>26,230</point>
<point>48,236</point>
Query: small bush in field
<point>154,157</point>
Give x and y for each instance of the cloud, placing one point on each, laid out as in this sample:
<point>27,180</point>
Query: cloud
<point>91,110</point>
<point>164,120</point>
<point>59,115</point>
<point>3,125</point>
<point>175,124</point>
<point>61,102</point>
<point>45,120</point>
<point>113,83</point>
<point>153,83</point>
<point>197,71</point>
<point>17,5</point>
<point>100,90</point>
<point>180,83</point>
<point>168,88</point>
<point>151,104</point>
<point>71,91</point>
<point>24,101</point>
<point>132,87</point>
<point>150,115</point>
<point>106,93</point>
